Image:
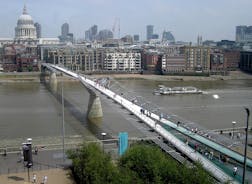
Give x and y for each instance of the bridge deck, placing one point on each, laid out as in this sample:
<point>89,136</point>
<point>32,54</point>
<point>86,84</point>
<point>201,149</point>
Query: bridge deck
<point>183,147</point>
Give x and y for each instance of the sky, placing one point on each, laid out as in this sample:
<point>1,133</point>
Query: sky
<point>186,19</point>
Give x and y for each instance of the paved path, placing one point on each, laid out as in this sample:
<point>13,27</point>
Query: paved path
<point>55,176</point>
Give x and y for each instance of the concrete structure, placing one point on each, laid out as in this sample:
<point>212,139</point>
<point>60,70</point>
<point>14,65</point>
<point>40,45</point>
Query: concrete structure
<point>217,61</point>
<point>93,60</point>
<point>243,34</point>
<point>149,31</point>
<point>231,59</point>
<point>94,105</point>
<point>53,82</point>
<point>77,58</point>
<point>38,29</point>
<point>126,60</point>
<point>173,60</point>
<point>222,60</point>
<point>197,59</point>
<point>150,60</point>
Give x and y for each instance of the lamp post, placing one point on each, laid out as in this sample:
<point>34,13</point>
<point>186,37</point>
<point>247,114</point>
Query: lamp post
<point>103,135</point>
<point>63,121</point>
<point>245,149</point>
<point>233,123</point>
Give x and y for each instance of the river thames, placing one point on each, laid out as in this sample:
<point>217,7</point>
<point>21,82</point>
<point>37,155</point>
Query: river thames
<point>30,110</point>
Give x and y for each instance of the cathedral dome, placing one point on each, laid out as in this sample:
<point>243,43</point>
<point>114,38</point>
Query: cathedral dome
<point>25,27</point>
<point>25,19</point>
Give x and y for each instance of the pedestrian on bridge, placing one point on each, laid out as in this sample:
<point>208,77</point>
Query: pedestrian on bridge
<point>235,170</point>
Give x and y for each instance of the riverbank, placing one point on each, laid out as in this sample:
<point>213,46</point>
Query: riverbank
<point>35,77</point>
<point>234,75</point>
<point>27,77</point>
<point>20,77</point>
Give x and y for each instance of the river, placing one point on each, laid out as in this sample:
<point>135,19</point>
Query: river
<point>30,110</point>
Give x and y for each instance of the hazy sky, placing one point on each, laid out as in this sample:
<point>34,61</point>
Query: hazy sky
<point>213,19</point>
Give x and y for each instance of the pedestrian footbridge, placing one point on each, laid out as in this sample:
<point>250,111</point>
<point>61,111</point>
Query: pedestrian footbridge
<point>151,120</point>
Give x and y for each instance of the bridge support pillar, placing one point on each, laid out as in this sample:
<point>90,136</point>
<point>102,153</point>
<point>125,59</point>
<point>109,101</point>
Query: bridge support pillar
<point>53,82</point>
<point>94,107</point>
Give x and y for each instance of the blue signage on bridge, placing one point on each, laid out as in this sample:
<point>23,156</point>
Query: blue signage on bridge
<point>123,142</point>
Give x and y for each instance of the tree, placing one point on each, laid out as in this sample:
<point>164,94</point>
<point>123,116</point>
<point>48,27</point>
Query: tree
<point>140,164</point>
<point>154,166</point>
<point>91,165</point>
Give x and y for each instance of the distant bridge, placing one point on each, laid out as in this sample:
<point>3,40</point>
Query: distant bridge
<point>151,119</point>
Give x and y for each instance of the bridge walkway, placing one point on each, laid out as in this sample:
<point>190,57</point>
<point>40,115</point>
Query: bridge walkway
<point>180,145</point>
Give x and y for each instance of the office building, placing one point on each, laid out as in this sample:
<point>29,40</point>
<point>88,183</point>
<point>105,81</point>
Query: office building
<point>38,29</point>
<point>243,34</point>
<point>65,35</point>
<point>149,31</point>
<point>122,60</point>
<point>136,38</point>
<point>105,35</point>
<point>64,29</point>
<point>197,59</point>
<point>91,33</point>
<point>168,37</point>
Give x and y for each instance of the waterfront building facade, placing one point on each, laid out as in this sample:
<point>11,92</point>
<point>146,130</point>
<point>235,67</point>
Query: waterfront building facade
<point>197,59</point>
<point>122,60</point>
<point>173,60</point>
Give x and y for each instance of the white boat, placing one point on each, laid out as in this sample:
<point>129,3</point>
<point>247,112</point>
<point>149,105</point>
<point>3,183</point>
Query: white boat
<point>163,90</point>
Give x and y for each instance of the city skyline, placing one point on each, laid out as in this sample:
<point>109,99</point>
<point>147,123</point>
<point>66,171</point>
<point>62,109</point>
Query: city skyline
<point>213,20</point>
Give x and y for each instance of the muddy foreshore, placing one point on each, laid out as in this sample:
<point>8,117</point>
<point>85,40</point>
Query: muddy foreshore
<point>35,77</point>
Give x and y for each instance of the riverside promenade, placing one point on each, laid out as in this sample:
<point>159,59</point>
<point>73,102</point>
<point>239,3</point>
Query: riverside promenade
<point>46,163</point>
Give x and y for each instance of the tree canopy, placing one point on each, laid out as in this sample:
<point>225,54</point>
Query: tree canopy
<point>141,163</point>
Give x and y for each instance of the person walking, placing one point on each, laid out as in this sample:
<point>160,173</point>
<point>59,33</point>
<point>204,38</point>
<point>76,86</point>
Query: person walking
<point>235,170</point>
<point>45,180</point>
<point>34,178</point>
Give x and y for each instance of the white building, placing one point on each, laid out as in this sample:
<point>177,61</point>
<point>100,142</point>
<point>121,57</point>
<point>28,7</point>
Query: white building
<point>25,32</point>
<point>122,60</point>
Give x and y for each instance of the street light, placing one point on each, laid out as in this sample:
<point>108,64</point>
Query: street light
<point>245,149</point>
<point>103,135</point>
<point>233,123</point>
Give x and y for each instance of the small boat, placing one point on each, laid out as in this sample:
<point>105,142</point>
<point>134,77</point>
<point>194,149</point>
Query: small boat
<point>163,90</point>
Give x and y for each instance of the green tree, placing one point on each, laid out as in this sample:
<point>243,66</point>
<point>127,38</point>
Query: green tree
<point>91,165</point>
<point>141,164</point>
<point>154,166</point>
